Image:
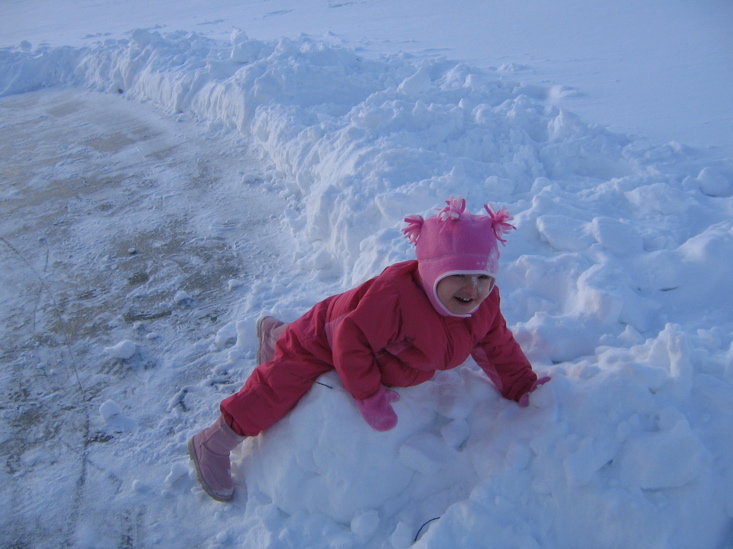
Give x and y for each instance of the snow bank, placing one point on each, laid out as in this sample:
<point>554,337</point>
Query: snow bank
<point>618,283</point>
<point>618,451</point>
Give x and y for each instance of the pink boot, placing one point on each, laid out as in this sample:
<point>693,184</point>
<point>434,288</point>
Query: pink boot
<point>209,451</point>
<point>269,329</point>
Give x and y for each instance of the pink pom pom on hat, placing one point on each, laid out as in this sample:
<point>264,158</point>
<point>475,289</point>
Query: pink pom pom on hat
<point>456,241</point>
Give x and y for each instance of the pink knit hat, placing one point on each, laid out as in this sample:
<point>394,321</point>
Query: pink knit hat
<point>456,242</point>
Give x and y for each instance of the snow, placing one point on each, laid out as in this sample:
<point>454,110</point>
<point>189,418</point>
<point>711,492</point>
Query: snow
<point>123,350</point>
<point>169,174</point>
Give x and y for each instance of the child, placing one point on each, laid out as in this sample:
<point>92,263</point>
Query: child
<point>394,330</point>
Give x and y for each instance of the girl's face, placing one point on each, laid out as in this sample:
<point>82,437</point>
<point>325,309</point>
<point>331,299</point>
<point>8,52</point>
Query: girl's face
<point>461,294</point>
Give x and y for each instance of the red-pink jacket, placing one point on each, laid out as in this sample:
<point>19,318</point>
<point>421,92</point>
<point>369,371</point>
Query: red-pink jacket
<point>383,332</point>
<point>386,332</point>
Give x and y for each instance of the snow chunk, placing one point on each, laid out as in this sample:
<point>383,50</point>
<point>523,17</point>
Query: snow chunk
<point>617,236</point>
<point>178,470</point>
<point>423,452</point>
<point>664,460</point>
<point>564,233</point>
<point>712,183</point>
<point>455,433</point>
<point>365,524</point>
<point>180,297</point>
<point>123,350</point>
<point>109,409</point>
<point>226,334</point>
<point>417,83</point>
<point>590,458</point>
<point>660,198</point>
<point>401,538</point>
<point>233,284</point>
<point>114,419</point>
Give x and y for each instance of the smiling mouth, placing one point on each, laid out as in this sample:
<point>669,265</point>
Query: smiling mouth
<point>464,299</point>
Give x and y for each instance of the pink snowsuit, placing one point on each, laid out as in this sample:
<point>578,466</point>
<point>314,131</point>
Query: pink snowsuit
<point>383,332</point>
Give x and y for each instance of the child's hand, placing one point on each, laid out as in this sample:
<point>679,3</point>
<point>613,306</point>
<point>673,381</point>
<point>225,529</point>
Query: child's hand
<point>524,399</point>
<point>378,411</point>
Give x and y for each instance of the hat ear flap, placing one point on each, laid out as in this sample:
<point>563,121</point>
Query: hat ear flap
<point>414,226</point>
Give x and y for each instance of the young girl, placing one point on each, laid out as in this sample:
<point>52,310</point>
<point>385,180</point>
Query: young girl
<point>394,330</point>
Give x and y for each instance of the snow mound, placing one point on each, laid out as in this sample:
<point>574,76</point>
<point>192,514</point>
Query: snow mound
<point>627,435</point>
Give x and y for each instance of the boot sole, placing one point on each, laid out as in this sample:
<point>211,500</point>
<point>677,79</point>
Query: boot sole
<point>260,321</point>
<point>260,332</point>
<point>204,485</point>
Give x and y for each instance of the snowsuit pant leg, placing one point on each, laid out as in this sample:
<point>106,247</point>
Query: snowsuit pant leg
<point>275,387</point>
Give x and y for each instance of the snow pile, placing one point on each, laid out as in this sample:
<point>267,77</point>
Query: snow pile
<point>623,449</point>
<point>618,283</point>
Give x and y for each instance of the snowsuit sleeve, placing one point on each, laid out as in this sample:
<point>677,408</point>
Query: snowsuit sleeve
<point>357,338</point>
<point>503,360</point>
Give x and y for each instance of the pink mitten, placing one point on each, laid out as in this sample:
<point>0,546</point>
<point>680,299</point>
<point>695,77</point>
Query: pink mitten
<point>524,399</point>
<point>378,411</point>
